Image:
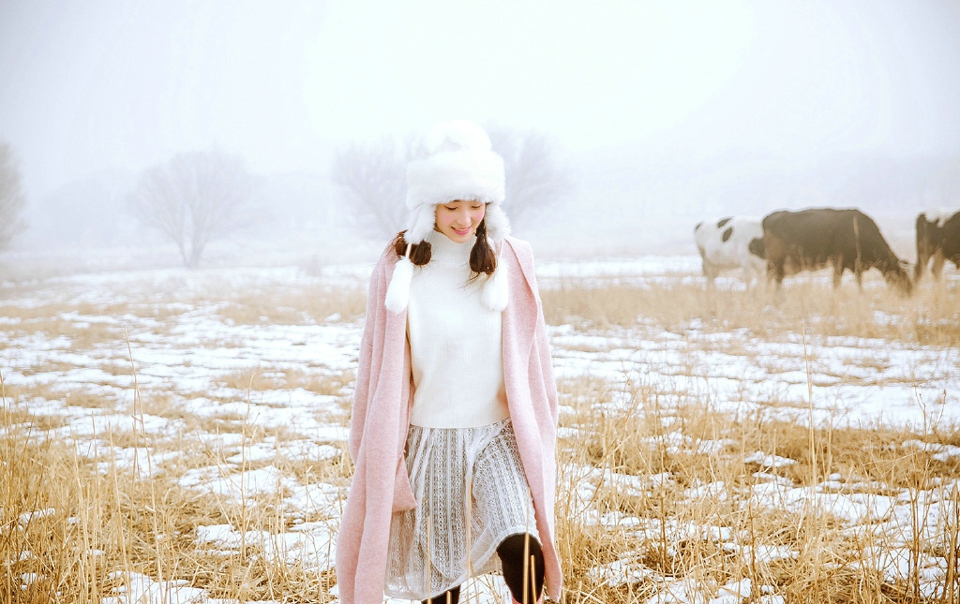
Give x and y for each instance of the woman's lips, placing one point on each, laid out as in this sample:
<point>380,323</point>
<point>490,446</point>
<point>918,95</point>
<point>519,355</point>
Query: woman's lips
<point>461,231</point>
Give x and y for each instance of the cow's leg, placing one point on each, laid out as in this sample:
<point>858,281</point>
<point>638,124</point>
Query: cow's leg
<point>764,276</point>
<point>858,269</point>
<point>775,272</point>
<point>710,271</point>
<point>753,269</point>
<point>938,261</point>
<point>837,272</point>
<point>923,257</point>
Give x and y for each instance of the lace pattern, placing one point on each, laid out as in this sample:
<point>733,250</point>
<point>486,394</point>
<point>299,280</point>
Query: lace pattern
<point>471,494</point>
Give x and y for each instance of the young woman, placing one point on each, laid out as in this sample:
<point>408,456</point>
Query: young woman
<point>453,432</point>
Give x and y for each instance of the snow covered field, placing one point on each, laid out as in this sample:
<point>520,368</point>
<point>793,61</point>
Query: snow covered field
<point>236,383</point>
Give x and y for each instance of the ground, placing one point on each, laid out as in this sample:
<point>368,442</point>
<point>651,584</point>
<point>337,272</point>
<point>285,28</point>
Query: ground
<point>687,417</point>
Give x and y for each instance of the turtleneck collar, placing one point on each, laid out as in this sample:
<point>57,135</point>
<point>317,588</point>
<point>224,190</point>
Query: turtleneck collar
<point>444,250</point>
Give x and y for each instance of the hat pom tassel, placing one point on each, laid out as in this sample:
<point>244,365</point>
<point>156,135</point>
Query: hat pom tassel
<point>496,291</point>
<point>398,292</point>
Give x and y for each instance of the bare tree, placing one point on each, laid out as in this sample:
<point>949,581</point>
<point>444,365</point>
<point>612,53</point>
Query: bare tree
<point>374,177</point>
<point>195,198</point>
<point>12,200</point>
<point>535,176</point>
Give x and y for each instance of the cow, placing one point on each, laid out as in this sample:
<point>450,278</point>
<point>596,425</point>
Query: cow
<point>938,237</point>
<point>846,239</point>
<point>725,244</point>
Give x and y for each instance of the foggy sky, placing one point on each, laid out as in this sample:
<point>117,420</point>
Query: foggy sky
<point>87,87</point>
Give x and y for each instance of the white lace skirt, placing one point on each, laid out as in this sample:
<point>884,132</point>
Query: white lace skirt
<point>471,494</point>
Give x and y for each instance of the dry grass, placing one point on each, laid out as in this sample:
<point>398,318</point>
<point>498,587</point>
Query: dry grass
<point>101,523</point>
<point>286,378</point>
<point>72,525</point>
<point>332,384</point>
<point>293,307</point>
<point>638,441</point>
<point>633,448</point>
<point>930,316</point>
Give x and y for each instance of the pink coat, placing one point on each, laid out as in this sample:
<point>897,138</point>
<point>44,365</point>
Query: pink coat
<point>381,417</point>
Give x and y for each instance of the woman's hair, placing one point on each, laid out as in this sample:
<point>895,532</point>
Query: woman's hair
<point>483,260</point>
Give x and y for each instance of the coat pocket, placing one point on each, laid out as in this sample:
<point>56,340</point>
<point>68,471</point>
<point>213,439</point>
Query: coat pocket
<point>403,498</point>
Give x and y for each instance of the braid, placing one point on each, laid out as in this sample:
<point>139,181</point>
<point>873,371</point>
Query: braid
<point>483,260</point>
<point>482,257</point>
<point>420,253</point>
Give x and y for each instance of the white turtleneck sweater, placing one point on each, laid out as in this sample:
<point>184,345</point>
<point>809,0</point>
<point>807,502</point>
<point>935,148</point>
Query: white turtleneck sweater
<point>455,343</point>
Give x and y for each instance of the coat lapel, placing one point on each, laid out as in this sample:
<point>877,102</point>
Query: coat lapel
<point>520,316</point>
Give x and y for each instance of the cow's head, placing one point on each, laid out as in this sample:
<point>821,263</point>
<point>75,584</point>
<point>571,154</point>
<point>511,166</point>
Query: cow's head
<point>897,276</point>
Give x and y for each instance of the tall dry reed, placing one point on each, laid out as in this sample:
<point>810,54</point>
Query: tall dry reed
<point>652,476</point>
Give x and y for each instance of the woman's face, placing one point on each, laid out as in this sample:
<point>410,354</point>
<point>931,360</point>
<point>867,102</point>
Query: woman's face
<point>458,219</point>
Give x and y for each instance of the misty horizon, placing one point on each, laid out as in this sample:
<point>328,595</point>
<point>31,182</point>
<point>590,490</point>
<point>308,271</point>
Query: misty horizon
<point>664,113</point>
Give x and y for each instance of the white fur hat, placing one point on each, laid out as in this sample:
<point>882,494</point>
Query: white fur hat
<point>460,164</point>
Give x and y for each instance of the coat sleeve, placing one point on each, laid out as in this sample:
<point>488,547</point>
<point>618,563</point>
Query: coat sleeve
<point>534,404</point>
<point>361,398</point>
<point>545,359</point>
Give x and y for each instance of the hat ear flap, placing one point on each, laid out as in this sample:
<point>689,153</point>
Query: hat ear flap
<point>498,226</point>
<point>398,292</point>
<point>420,223</point>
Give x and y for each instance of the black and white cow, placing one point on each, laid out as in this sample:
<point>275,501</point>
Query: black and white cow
<point>816,238</point>
<point>726,244</point>
<point>938,237</point>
